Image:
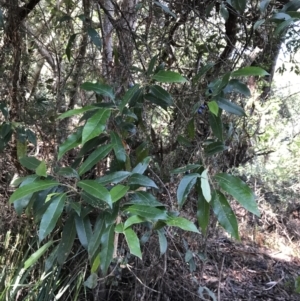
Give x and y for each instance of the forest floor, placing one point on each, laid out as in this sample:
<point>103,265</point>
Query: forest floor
<point>264,265</point>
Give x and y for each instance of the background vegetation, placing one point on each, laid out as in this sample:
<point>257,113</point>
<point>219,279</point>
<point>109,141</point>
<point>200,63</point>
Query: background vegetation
<point>128,132</point>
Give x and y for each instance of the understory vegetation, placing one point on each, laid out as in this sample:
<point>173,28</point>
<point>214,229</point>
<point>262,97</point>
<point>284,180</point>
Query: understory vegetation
<point>148,150</point>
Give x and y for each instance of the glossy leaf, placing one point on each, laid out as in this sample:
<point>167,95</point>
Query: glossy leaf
<point>134,219</point>
<point>239,190</point>
<point>224,213</point>
<point>97,190</point>
<point>133,242</point>
<point>224,12</point>
<point>145,198</point>
<point>67,240</point>
<point>41,170</point>
<point>163,243</point>
<point>216,124</point>
<point>30,163</point>
<point>239,5</point>
<point>95,37</point>
<point>151,65</point>
<point>250,71</point>
<point>118,192</point>
<point>92,281</point>
<point>75,112</point>
<point>128,96</point>
<point>37,255</point>
<point>258,23</point>
<point>264,5</point>
<point>214,148</point>
<point>148,212</point>
<point>169,77</point>
<point>165,9</point>
<point>84,230</point>
<point>95,125</point>
<point>205,186</point>
<point>95,241</point>
<point>283,26</point>
<point>67,172</point>
<point>203,209</point>
<point>118,147</point>
<point>183,141</point>
<point>237,86</point>
<point>99,88</point>
<point>213,107</point>
<point>191,129</point>
<point>71,142</point>
<point>141,180</point>
<point>185,168</point>
<point>107,248</point>
<point>185,187</point>
<point>114,177</point>
<point>96,156</point>
<point>203,70</point>
<point>69,45</point>
<point>182,223</point>
<point>162,94</point>
<point>230,107</point>
<point>51,216</point>
<point>31,188</point>
<point>142,166</point>
<point>155,100</point>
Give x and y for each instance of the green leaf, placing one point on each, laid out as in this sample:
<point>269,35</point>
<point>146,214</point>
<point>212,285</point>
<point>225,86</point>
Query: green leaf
<point>165,9</point>
<point>148,212</point>
<point>258,23</point>
<point>77,112</point>
<point>95,125</point>
<point>128,96</point>
<point>142,166</point>
<point>216,124</point>
<point>71,142</point>
<point>95,37</point>
<point>145,198</point>
<point>151,65</point>
<point>107,248</point>
<point>142,151</point>
<point>169,77</point>
<point>118,147</point>
<point>214,148</point>
<point>264,5</point>
<point>92,281</point>
<point>133,242</point>
<point>162,94</point>
<point>51,216</point>
<point>31,188</point>
<point>141,180</point>
<point>185,187</point>
<point>67,240</point>
<point>135,219</point>
<point>185,168</point>
<point>191,128</point>
<point>2,25</point>
<point>205,186</point>
<point>84,230</point>
<point>238,86</point>
<point>183,141</point>
<point>97,155</point>
<point>224,214</point>
<point>239,190</point>
<point>163,243</point>
<point>213,107</point>
<point>230,107</point>
<point>30,163</point>
<point>114,177</point>
<point>118,192</point>
<point>97,190</point>
<point>98,88</point>
<point>67,172</point>
<point>182,223</point>
<point>203,209</point>
<point>157,101</point>
<point>250,71</point>
<point>41,170</point>
<point>69,45</point>
<point>37,255</point>
<point>203,70</point>
<point>224,12</point>
<point>283,26</point>
<point>95,240</point>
